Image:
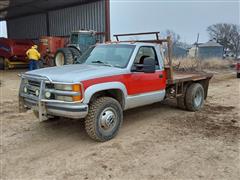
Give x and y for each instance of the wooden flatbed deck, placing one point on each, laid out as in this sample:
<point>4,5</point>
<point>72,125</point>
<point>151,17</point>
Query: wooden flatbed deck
<point>179,77</point>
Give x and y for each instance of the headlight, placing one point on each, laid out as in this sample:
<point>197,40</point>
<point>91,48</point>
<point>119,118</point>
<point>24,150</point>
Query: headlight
<point>63,87</point>
<point>64,98</point>
<point>69,87</point>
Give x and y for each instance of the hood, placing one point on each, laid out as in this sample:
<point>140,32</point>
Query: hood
<point>76,72</point>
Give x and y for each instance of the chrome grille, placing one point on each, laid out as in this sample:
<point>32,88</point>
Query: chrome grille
<point>34,83</point>
<point>31,86</point>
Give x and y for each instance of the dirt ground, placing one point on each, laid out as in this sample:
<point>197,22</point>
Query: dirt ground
<point>155,142</point>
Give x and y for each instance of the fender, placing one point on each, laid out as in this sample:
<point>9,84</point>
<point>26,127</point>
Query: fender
<point>90,91</point>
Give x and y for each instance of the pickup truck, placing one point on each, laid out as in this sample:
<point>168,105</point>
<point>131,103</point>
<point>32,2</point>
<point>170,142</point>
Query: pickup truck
<point>114,77</point>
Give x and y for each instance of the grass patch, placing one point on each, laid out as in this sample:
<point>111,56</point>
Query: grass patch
<point>190,64</point>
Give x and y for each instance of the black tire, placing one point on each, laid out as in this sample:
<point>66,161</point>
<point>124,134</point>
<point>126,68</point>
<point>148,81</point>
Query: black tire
<point>63,56</point>
<point>2,63</point>
<point>181,102</point>
<point>75,53</point>
<point>104,108</point>
<point>194,97</point>
<point>238,75</point>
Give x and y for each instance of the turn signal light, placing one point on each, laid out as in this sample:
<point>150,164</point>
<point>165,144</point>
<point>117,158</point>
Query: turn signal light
<point>77,88</point>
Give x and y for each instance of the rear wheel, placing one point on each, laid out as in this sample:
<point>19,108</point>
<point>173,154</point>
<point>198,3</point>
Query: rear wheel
<point>194,97</point>
<point>238,75</point>
<point>181,102</point>
<point>104,119</point>
<point>63,56</point>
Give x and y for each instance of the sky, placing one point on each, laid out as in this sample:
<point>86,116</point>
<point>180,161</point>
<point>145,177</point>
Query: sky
<point>185,17</point>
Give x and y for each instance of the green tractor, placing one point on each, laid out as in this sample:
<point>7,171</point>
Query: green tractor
<point>80,41</point>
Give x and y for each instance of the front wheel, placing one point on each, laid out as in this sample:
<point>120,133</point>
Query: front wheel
<point>104,119</point>
<point>238,75</point>
<point>194,97</point>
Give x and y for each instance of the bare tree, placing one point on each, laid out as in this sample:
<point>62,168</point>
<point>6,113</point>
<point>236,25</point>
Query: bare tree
<point>235,40</point>
<point>175,36</point>
<point>228,35</point>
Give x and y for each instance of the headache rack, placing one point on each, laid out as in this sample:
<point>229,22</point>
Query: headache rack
<point>168,63</point>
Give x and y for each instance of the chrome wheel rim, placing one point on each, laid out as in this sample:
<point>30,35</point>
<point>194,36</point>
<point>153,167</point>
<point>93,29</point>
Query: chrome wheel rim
<point>108,119</point>
<point>59,59</point>
<point>198,98</point>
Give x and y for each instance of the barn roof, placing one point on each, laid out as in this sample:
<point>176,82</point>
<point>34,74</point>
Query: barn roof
<point>210,44</point>
<point>10,9</point>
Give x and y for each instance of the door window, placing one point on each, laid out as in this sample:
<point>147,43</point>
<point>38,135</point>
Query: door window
<point>144,52</point>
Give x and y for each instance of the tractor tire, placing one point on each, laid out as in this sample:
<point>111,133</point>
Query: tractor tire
<point>104,119</point>
<point>2,63</point>
<point>238,75</point>
<point>63,56</point>
<point>194,97</point>
<point>75,53</point>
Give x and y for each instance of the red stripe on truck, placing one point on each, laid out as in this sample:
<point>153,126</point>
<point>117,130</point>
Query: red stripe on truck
<point>135,83</point>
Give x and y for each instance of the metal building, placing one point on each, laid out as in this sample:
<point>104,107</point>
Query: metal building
<point>207,50</point>
<point>30,19</point>
<point>210,49</point>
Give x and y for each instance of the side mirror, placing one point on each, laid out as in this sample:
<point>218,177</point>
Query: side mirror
<point>149,65</point>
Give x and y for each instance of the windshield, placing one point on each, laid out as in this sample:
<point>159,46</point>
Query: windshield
<point>74,39</point>
<point>117,55</point>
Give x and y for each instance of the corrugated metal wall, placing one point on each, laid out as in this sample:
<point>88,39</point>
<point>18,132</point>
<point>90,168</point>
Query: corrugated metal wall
<point>61,22</point>
<point>87,16</point>
<point>210,52</point>
<point>29,27</point>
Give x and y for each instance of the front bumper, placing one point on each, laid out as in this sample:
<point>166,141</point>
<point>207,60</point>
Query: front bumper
<point>75,111</point>
<point>47,108</point>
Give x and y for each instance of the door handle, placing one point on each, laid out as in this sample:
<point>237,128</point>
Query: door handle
<point>160,75</point>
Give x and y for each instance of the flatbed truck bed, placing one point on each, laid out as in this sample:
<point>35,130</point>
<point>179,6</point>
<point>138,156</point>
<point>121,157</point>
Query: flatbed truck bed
<point>181,77</point>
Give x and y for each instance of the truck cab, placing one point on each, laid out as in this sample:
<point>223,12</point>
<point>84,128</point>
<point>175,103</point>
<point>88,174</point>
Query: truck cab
<point>111,78</point>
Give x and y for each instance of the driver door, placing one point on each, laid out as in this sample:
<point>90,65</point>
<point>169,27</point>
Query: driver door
<point>141,83</point>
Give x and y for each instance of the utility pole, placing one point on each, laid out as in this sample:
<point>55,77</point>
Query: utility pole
<point>196,55</point>
<point>196,44</point>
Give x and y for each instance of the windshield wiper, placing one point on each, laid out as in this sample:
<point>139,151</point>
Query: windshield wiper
<point>101,62</point>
